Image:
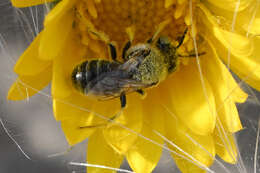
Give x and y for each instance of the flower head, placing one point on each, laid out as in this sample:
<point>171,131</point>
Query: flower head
<point>193,110</point>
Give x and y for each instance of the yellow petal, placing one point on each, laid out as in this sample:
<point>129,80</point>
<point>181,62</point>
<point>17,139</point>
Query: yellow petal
<point>225,144</point>
<point>254,27</point>
<point>28,3</point>
<point>198,149</point>
<point>77,105</point>
<point>246,67</point>
<point>29,63</point>
<point>100,153</point>
<point>26,86</point>
<point>247,19</point>
<point>119,138</point>
<point>244,56</point>
<point>63,65</point>
<point>73,129</point>
<point>144,155</point>
<point>72,107</point>
<point>238,44</point>
<point>234,90</point>
<point>231,4</point>
<point>54,36</point>
<point>195,108</point>
<point>238,95</point>
<point>58,11</point>
<point>139,156</point>
<point>219,79</point>
<point>61,81</point>
<point>79,115</point>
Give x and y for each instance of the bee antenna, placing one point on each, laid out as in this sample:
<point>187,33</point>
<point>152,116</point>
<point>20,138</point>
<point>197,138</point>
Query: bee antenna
<point>182,38</point>
<point>192,55</point>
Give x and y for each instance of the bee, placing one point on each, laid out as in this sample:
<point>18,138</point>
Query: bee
<point>144,66</point>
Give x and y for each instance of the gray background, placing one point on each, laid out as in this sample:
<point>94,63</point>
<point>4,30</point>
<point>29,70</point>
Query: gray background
<point>31,122</point>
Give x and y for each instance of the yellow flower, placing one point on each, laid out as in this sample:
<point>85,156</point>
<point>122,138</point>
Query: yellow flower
<point>193,110</point>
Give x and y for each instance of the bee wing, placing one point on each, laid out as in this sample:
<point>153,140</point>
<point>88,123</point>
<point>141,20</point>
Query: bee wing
<point>113,85</point>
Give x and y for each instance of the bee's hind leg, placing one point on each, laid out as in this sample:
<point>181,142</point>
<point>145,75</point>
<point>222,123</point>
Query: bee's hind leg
<point>140,91</point>
<point>103,124</point>
<point>123,105</point>
<point>123,100</point>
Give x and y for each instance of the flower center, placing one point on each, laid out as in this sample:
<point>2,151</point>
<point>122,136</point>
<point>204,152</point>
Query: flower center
<point>113,17</point>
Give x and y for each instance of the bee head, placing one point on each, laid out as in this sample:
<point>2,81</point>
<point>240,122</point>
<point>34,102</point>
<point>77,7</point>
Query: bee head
<point>78,77</point>
<point>164,44</point>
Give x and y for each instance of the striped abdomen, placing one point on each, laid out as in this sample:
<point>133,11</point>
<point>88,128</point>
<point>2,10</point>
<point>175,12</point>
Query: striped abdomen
<point>86,74</point>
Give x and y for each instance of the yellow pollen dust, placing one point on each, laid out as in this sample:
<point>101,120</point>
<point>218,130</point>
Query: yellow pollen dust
<point>119,21</point>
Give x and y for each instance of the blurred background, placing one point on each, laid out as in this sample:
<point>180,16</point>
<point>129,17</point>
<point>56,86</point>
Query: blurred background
<point>32,125</point>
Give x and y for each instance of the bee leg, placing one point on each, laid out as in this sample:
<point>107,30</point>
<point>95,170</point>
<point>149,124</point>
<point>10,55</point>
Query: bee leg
<point>111,46</point>
<point>108,120</point>
<point>140,91</point>
<point>112,50</point>
<point>130,32</point>
<point>182,38</point>
<point>127,46</point>
<point>92,126</point>
<point>123,104</point>
<point>103,124</point>
<point>123,100</point>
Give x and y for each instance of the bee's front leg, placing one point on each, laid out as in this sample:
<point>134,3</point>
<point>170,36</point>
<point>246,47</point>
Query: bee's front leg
<point>127,46</point>
<point>130,32</point>
<point>123,104</point>
<point>112,50</point>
